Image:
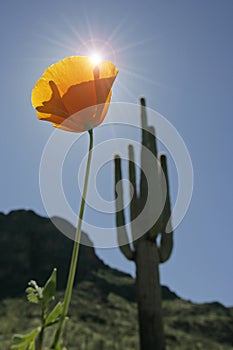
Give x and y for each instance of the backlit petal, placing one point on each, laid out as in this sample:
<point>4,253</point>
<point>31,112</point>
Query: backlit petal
<point>67,90</point>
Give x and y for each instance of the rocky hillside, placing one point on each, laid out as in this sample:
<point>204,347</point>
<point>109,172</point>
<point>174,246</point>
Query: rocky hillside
<point>103,318</point>
<point>31,246</point>
<point>103,311</point>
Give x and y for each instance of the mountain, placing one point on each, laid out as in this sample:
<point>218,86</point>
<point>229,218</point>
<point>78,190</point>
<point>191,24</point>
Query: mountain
<point>31,246</point>
<point>103,310</point>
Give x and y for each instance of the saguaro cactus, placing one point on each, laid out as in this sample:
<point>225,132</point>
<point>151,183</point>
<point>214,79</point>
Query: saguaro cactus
<point>145,250</point>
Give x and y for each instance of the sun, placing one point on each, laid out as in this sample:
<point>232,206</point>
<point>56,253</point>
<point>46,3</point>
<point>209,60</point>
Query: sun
<point>82,41</point>
<point>96,58</point>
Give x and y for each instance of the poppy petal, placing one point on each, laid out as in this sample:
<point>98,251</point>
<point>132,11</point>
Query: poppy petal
<point>67,90</point>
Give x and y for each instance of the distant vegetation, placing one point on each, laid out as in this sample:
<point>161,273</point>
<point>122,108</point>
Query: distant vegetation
<point>103,311</point>
<point>105,320</point>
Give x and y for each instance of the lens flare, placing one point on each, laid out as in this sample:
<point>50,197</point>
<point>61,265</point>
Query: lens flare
<point>95,58</point>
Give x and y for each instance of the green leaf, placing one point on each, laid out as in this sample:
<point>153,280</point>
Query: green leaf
<point>53,317</point>
<point>22,346</point>
<point>60,347</point>
<point>32,346</point>
<point>23,341</point>
<point>18,338</point>
<point>50,287</point>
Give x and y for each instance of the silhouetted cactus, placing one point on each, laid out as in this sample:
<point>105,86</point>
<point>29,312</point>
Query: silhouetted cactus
<point>145,251</point>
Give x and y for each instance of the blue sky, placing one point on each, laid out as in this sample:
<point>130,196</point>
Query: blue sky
<point>178,54</point>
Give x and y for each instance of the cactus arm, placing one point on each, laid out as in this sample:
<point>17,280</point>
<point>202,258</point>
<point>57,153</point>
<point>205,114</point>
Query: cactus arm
<point>153,142</point>
<point>143,113</point>
<point>120,217</point>
<point>145,161</point>
<point>166,246</point>
<point>154,231</point>
<point>167,207</point>
<point>166,242</point>
<point>149,184</point>
<point>133,195</point>
<point>133,188</point>
<point>148,132</point>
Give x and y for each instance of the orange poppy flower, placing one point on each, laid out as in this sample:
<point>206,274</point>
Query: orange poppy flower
<point>74,94</point>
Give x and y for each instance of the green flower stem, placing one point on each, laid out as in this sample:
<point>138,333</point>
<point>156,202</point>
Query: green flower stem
<point>39,344</point>
<point>74,258</point>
